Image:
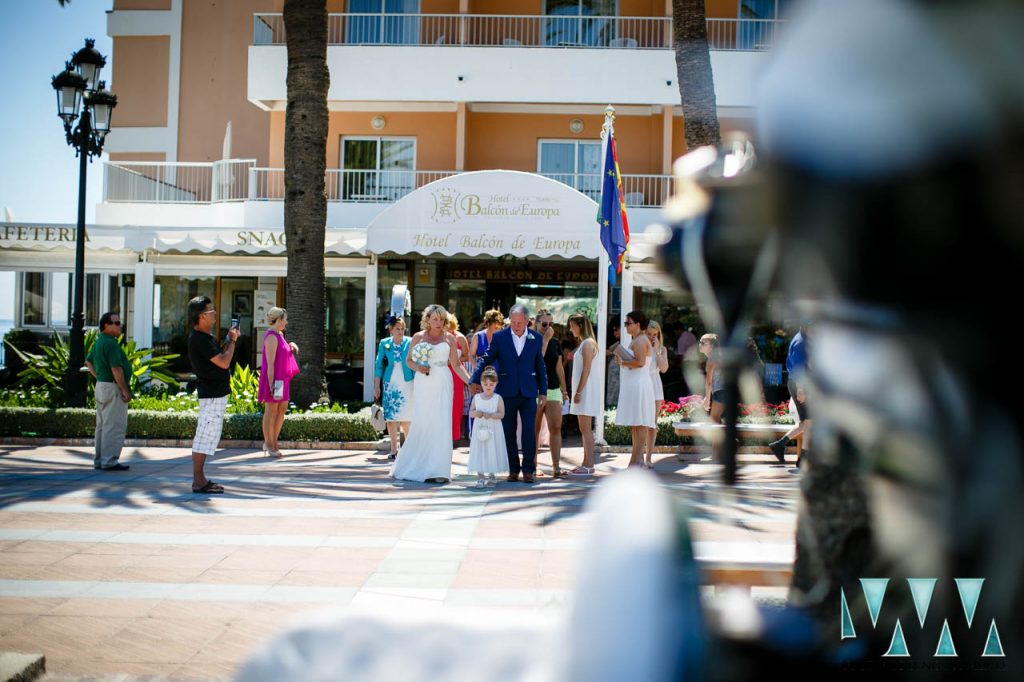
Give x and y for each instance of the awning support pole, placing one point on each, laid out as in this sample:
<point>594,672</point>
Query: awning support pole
<point>370,329</point>
<point>602,336</point>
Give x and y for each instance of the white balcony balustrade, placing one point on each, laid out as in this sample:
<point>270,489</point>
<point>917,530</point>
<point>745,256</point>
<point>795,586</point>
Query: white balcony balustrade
<point>240,180</point>
<point>491,30</point>
<point>176,183</point>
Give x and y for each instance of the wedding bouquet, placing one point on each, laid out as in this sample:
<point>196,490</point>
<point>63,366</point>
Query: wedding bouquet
<point>420,353</point>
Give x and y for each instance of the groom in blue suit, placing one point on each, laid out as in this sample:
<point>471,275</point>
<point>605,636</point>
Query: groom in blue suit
<point>522,384</point>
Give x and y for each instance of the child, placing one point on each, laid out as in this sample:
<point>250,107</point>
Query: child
<point>487,453</point>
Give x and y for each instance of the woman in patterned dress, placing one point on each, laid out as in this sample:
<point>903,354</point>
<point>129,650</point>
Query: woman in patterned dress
<point>397,378</point>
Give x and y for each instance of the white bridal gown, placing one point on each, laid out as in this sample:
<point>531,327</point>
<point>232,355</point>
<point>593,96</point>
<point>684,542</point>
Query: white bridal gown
<point>427,452</point>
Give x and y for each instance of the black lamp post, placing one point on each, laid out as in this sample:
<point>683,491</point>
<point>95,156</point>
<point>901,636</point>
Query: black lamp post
<point>79,87</point>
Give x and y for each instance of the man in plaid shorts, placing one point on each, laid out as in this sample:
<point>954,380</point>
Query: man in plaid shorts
<point>210,363</point>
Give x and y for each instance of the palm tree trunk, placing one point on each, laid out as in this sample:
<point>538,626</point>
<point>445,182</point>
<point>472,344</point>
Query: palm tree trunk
<point>305,202</point>
<point>693,71</point>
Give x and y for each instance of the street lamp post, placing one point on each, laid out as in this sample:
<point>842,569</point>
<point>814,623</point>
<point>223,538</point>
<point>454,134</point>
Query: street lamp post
<point>79,87</point>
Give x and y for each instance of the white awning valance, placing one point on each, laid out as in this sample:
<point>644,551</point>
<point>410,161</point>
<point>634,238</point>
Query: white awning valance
<point>51,236</point>
<point>343,242</point>
<point>489,213</point>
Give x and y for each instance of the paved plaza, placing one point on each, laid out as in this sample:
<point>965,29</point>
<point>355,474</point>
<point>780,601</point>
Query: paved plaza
<point>112,574</point>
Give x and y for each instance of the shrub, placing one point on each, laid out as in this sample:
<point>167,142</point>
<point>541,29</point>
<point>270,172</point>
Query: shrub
<point>329,427</point>
<point>245,383</point>
<point>48,423</point>
<point>81,423</point>
<point>48,367</point>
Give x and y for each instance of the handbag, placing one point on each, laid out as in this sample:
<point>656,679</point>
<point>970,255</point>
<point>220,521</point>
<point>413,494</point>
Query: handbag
<point>377,417</point>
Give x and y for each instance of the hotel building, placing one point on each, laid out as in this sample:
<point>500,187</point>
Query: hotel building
<point>463,161</point>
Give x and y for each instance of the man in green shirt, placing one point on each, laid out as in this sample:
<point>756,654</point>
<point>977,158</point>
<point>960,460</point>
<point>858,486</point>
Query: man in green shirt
<point>109,364</point>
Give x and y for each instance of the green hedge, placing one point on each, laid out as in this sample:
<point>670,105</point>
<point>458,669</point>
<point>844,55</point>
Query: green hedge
<point>81,423</point>
<point>309,426</point>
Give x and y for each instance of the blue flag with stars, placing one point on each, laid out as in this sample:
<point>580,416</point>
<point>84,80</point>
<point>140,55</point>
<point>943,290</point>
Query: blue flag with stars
<point>611,215</point>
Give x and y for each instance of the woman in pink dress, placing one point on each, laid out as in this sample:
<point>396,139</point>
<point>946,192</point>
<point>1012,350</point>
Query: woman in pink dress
<point>459,388</point>
<point>276,371</point>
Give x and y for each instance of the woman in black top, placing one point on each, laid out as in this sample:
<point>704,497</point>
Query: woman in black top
<point>557,393</point>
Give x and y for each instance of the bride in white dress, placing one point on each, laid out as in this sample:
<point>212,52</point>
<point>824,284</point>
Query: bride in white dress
<point>427,453</point>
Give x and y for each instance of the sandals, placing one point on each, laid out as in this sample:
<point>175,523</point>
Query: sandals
<point>558,473</point>
<point>582,471</point>
<point>210,488</point>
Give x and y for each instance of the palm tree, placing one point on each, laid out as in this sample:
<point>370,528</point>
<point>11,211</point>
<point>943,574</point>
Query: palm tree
<point>305,201</point>
<point>693,71</point>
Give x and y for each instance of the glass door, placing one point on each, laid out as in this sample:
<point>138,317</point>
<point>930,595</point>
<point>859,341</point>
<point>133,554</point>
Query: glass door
<point>576,163</point>
<point>383,22</point>
<point>377,168</point>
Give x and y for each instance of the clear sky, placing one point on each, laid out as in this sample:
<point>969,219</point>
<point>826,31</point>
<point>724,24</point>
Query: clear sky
<point>39,177</point>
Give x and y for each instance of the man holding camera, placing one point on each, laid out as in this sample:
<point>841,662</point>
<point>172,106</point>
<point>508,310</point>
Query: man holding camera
<point>210,362</point>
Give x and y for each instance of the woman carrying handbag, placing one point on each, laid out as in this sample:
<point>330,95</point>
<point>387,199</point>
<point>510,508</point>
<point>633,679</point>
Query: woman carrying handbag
<point>396,395</point>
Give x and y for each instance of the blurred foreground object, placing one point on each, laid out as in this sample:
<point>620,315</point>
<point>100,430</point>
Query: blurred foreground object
<point>635,614</point>
<point>893,133</point>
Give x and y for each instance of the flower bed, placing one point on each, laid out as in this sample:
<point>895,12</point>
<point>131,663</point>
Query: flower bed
<point>691,408</point>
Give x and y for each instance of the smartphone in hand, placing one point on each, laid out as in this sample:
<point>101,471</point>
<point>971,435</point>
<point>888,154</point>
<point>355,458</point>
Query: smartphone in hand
<point>234,321</point>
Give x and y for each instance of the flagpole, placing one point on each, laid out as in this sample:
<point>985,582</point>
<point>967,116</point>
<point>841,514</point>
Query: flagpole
<point>602,292</point>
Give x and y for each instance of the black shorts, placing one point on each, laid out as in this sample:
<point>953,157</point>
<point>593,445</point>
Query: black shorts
<point>801,407</point>
<point>718,396</point>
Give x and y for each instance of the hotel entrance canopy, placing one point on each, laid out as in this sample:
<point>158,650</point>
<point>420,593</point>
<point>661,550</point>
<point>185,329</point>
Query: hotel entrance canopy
<point>489,213</point>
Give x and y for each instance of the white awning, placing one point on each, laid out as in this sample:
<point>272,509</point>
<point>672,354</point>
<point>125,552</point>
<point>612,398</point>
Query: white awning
<point>51,236</point>
<point>249,241</point>
<point>491,213</point>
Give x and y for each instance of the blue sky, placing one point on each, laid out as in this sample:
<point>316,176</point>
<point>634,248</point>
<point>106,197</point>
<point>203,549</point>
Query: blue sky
<point>39,181</point>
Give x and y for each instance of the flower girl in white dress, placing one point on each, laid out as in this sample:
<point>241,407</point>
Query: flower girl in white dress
<point>487,453</point>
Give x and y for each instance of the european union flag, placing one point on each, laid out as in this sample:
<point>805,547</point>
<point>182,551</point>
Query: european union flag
<point>611,216</point>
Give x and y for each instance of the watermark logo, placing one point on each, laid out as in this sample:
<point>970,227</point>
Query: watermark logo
<point>921,590</point>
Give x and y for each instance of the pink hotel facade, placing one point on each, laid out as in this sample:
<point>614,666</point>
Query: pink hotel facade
<point>422,91</point>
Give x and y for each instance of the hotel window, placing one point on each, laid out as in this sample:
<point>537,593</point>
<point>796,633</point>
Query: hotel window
<point>759,33</point>
<point>47,299</point>
<point>171,325</point>
<point>580,23</point>
<point>346,313</point>
<point>383,22</point>
<point>763,9</point>
<point>61,301</point>
<point>33,301</point>
<point>377,168</point>
<point>576,163</point>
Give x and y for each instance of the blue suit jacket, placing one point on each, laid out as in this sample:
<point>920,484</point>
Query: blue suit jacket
<point>517,374</point>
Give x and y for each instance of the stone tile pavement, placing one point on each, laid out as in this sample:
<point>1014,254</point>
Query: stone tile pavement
<point>130,574</point>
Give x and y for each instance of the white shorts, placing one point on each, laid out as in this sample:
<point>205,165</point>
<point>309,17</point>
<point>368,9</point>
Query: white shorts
<point>211,423</point>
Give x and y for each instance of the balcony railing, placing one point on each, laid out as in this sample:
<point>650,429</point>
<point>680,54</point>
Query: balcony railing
<point>491,30</point>
<point>240,180</point>
<point>177,183</point>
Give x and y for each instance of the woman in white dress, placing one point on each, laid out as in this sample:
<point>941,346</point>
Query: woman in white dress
<point>659,365</point>
<point>636,391</point>
<point>427,453</point>
<point>586,388</point>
